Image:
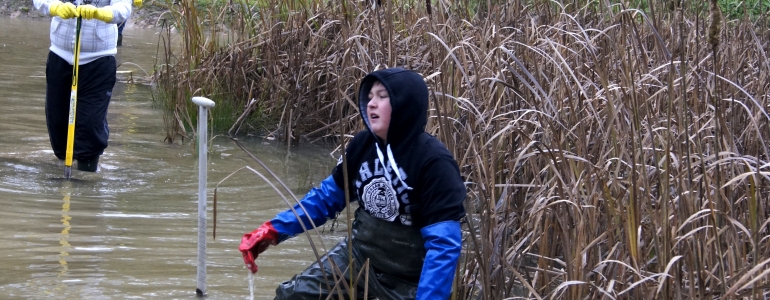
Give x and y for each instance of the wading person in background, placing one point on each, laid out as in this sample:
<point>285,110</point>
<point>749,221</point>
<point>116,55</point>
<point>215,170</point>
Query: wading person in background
<point>96,75</point>
<point>120,32</point>
<point>121,25</point>
<point>410,196</point>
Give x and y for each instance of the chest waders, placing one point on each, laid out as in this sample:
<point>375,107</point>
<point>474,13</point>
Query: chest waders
<point>395,254</point>
<point>391,248</point>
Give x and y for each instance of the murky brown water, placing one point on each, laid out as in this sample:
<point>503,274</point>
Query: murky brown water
<point>130,230</point>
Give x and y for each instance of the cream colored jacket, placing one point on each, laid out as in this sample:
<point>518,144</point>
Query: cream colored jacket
<point>97,38</point>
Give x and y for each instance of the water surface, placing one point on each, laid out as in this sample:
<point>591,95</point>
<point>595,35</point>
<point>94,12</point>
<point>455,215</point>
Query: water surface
<point>130,230</point>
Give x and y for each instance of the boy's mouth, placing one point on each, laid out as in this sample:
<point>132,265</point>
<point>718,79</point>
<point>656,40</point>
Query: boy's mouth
<point>374,116</point>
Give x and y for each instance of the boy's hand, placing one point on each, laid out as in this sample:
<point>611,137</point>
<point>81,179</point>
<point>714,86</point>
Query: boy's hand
<point>62,10</point>
<point>89,12</point>
<point>256,242</point>
<point>138,3</point>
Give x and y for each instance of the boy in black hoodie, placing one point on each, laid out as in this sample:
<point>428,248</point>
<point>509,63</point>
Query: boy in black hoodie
<point>410,196</point>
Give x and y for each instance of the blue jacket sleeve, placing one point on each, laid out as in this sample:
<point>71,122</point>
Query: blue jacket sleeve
<point>443,242</point>
<point>322,203</point>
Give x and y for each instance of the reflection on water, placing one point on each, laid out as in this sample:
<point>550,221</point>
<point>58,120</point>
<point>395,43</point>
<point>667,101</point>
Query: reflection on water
<point>65,220</point>
<point>129,231</point>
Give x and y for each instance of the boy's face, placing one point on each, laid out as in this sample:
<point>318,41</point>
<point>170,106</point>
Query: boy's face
<point>378,110</point>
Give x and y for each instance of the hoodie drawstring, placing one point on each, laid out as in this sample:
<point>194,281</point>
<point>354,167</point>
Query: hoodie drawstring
<point>392,164</point>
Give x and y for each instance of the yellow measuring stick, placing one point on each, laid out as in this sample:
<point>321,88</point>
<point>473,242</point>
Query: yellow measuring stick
<point>73,105</point>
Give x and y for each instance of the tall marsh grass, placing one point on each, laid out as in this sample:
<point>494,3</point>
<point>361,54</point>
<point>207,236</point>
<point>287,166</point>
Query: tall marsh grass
<point>610,152</point>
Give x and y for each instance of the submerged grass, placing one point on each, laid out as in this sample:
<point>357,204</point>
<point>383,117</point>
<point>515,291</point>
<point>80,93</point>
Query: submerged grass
<point>610,152</point>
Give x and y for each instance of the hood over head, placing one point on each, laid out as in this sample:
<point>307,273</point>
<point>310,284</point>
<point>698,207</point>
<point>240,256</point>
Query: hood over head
<point>408,99</point>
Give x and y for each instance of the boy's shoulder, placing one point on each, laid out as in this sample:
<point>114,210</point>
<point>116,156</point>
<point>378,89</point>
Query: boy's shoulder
<point>361,141</point>
<point>423,146</point>
<point>429,146</point>
<point>361,138</point>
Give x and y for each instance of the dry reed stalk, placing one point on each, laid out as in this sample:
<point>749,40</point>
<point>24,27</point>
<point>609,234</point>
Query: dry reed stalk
<point>610,152</point>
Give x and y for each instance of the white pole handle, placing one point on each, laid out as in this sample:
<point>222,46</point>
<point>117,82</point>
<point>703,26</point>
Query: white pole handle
<point>203,106</point>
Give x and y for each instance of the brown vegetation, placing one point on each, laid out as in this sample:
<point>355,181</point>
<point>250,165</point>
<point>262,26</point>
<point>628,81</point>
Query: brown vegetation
<point>610,153</point>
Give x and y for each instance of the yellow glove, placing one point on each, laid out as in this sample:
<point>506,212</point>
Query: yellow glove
<point>89,12</point>
<point>62,10</point>
<point>138,3</point>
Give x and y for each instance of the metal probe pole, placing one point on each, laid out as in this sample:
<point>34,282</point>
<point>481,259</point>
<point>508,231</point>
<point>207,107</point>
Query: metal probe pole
<point>203,106</point>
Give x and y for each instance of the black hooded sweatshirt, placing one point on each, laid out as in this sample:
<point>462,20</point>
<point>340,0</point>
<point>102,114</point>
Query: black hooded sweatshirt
<point>429,189</point>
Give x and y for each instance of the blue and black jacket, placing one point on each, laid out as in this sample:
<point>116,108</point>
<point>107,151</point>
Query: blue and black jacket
<point>412,180</point>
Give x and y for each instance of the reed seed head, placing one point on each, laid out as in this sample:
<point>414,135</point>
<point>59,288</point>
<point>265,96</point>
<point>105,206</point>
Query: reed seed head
<point>715,27</point>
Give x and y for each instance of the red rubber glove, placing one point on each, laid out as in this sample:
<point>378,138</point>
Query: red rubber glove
<point>256,242</point>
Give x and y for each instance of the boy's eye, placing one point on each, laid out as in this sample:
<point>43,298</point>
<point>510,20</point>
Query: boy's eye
<point>381,95</point>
